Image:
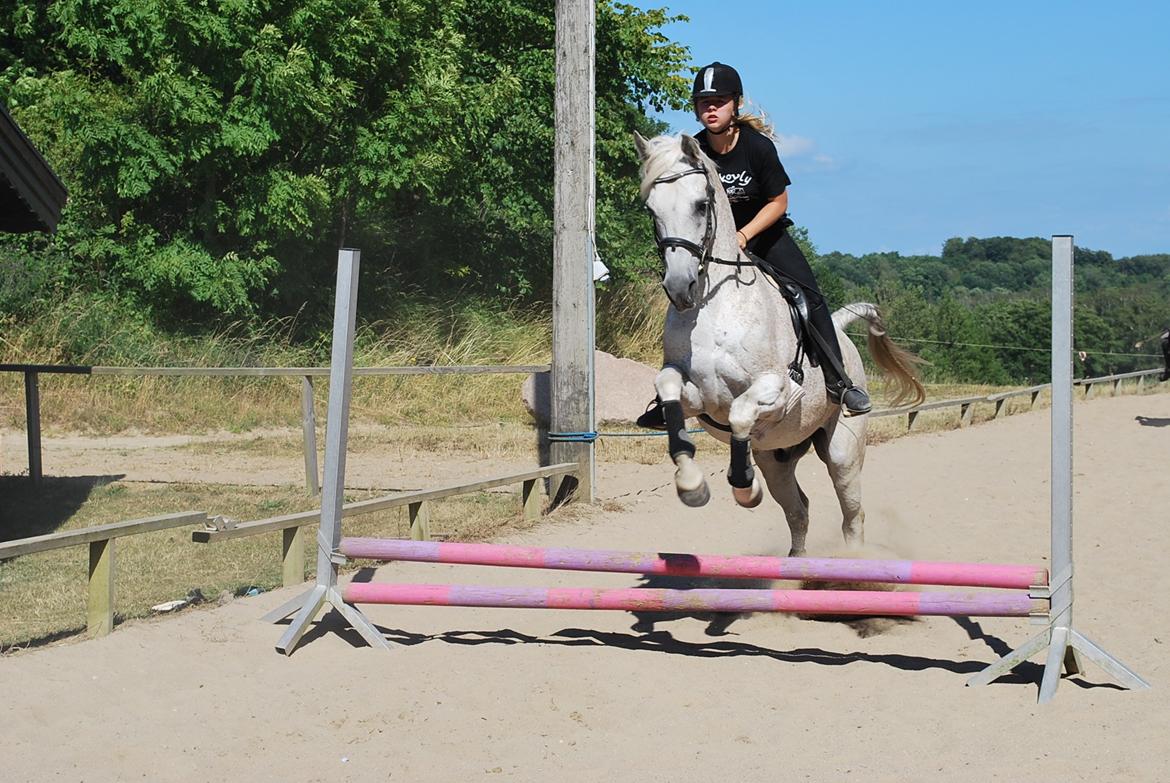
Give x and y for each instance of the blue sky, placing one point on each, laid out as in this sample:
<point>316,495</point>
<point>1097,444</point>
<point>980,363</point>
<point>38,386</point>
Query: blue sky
<point>904,123</point>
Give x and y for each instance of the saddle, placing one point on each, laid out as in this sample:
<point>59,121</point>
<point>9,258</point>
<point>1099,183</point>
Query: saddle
<point>806,334</point>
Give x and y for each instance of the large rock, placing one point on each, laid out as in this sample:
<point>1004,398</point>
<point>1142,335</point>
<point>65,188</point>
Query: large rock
<point>623,387</point>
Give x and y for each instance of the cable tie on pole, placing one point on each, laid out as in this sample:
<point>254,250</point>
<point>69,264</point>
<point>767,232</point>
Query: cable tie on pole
<point>573,437</point>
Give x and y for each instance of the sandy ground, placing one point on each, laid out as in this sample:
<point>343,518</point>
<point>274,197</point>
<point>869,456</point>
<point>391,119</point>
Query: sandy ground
<point>542,695</point>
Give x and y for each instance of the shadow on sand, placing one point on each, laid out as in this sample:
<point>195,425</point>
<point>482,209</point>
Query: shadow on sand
<point>30,510</point>
<point>662,642</point>
<point>1146,421</point>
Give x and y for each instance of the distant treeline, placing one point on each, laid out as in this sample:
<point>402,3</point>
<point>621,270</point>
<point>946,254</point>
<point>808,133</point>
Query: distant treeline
<point>980,311</point>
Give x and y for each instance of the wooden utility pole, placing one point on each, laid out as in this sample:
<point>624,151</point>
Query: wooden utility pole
<point>573,244</point>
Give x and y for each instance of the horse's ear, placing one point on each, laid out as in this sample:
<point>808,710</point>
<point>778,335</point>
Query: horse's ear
<point>690,148</point>
<point>642,145</point>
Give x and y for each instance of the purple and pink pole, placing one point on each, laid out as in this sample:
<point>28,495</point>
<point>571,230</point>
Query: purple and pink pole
<point>1019,577</point>
<point>826,602</point>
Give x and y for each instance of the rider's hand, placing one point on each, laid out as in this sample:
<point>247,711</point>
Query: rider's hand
<point>739,237</point>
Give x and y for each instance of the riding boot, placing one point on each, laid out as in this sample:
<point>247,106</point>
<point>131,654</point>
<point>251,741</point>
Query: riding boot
<point>654,418</point>
<point>853,399</point>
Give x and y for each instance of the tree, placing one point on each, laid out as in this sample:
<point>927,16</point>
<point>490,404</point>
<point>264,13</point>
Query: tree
<point>218,153</point>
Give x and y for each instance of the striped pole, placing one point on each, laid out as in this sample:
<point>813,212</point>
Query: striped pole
<point>1019,577</point>
<point>828,602</point>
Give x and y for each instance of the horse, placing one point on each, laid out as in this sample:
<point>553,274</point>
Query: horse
<point>730,353</point>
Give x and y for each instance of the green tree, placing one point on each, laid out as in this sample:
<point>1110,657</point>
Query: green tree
<point>217,153</point>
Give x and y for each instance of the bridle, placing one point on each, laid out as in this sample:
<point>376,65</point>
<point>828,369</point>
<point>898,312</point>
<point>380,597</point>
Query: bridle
<point>703,251</point>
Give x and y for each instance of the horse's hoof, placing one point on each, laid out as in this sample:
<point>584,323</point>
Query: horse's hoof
<point>748,497</point>
<point>695,497</point>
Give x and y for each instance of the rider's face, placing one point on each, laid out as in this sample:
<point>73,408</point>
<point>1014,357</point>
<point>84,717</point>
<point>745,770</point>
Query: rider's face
<point>715,112</point>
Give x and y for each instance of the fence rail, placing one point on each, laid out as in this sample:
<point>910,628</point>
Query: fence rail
<point>32,398</point>
<point>966,405</point>
<point>417,503</point>
<point>100,538</point>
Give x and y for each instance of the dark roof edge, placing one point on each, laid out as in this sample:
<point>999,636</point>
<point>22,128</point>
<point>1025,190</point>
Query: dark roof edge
<point>29,174</point>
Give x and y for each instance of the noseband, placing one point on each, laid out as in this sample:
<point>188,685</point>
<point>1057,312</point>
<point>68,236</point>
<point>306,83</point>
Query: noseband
<point>703,251</point>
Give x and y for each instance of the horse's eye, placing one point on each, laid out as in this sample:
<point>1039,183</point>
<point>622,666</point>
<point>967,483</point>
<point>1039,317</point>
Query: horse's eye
<point>700,207</point>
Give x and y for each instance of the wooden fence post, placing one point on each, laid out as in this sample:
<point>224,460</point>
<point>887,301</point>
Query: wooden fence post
<point>530,498</point>
<point>292,569</point>
<point>574,248</point>
<point>966,412</point>
<point>100,615</point>
<point>420,521</point>
<point>32,414</point>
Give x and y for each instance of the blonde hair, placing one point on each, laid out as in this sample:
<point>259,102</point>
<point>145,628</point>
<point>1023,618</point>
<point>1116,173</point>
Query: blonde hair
<point>756,120</point>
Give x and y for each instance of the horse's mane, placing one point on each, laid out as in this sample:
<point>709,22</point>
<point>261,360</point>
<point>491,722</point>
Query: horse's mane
<point>665,151</point>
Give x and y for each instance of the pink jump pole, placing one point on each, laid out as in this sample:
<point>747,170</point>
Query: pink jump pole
<point>834,602</point>
<point>1019,577</point>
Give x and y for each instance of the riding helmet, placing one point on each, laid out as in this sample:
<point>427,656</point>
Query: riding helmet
<point>717,79</point>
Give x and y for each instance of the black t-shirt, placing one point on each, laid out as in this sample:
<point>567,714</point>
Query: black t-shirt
<point>752,176</point>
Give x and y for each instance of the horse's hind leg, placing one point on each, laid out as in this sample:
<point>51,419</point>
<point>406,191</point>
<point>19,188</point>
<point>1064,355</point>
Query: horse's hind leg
<point>843,452</point>
<point>779,469</point>
<point>689,481</point>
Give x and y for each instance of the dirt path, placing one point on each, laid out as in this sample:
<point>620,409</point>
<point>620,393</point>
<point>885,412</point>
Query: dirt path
<point>539,695</point>
<point>261,457</point>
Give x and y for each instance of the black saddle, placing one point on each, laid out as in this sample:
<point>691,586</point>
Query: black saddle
<point>806,334</point>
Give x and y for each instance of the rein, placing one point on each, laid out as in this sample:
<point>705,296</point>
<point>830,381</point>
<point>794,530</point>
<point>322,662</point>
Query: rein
<point>703,251</point>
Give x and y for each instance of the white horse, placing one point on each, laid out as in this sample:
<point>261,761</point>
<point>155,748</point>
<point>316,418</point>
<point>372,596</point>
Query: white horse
<point>728,345</point>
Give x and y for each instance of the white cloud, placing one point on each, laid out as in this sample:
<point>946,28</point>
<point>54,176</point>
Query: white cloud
<point>794,146</point>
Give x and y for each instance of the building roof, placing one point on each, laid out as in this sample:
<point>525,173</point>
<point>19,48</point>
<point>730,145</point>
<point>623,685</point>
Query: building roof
<point>31,195</point>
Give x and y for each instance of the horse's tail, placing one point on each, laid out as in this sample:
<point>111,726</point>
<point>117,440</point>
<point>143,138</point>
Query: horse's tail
<point>898,364</point>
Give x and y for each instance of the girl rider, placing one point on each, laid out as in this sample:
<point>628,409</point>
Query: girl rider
<point>741,145</point>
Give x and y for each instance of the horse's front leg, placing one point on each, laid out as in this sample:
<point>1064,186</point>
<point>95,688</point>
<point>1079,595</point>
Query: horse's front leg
<point>767,394</point>
<point>673,390</point>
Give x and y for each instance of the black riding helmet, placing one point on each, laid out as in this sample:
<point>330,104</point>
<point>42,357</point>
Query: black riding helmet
<point>717,79</point>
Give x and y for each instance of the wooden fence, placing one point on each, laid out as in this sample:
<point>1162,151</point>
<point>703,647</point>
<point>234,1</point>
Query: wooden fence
<point>100,615</point>
<point>308,414</point>
<point>32,404</point>
<point>966,405</point>
<point>418,507</point>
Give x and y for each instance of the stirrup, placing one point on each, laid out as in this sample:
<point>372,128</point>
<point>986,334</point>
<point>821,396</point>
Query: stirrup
<point>854,400</point>
<point>653,418</point>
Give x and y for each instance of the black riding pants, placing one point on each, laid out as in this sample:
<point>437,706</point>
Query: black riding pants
<point>785,256</point>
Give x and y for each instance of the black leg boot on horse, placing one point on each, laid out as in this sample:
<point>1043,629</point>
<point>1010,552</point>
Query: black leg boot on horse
<point>853,399</point>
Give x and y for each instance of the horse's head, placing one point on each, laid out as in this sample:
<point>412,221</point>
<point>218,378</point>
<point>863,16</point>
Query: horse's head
<point>680,187</point>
